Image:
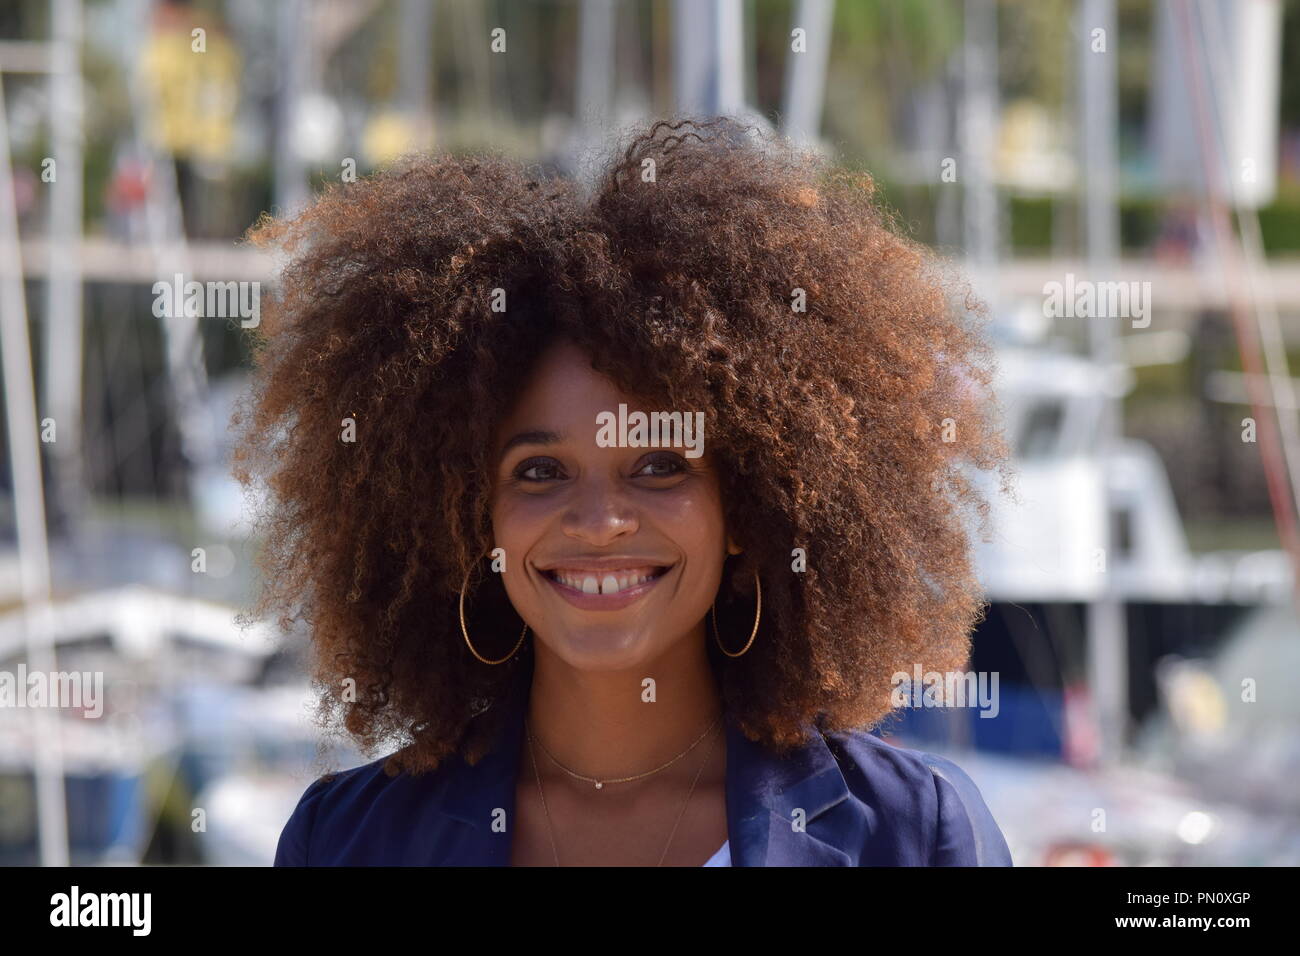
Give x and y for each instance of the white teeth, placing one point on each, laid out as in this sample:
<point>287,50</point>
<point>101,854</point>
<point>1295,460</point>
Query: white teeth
<point>602,583</point>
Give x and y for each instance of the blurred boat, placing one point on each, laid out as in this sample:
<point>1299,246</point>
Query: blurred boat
<point>154,657</point>
<point>1045,562</point>
<point>270,753</point>
<point>1210,777</point>
<point>1211,781</point>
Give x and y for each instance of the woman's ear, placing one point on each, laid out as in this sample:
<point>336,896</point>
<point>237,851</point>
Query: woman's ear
<point>732,547</point>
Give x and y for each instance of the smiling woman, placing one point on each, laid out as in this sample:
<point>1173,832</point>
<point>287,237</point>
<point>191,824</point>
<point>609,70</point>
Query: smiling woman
<point>584,651</point>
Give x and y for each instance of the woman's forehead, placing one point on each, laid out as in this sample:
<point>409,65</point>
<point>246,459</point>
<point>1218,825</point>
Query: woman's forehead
<point>565,399</point>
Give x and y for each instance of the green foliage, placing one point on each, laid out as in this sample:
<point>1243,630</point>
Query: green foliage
<point>1279,225</point>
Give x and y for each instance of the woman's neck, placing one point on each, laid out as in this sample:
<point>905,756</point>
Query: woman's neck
<point>614,724</point>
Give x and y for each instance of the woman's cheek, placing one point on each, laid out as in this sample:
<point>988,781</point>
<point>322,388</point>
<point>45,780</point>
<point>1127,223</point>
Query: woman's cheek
<point>518,523</point>
<point>695,515</point>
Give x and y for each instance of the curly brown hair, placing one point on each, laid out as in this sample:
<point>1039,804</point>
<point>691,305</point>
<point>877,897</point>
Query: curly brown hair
<point>848,429</point>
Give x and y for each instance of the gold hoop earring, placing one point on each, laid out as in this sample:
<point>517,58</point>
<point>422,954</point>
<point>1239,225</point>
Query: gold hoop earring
<point>758,613</point>
<point>465,631</point>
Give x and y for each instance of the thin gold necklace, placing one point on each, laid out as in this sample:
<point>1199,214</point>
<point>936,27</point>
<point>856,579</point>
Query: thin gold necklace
<point>600,784</point>
<point>680,813</point>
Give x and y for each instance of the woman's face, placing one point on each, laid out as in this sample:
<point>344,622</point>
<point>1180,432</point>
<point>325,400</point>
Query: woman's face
<point>613,554</point>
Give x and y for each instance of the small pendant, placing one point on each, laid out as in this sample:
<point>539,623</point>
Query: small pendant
<point>599,785</point>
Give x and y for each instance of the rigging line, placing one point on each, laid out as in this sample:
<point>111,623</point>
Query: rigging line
<point>1252,246</point>
<point>1247,341</point>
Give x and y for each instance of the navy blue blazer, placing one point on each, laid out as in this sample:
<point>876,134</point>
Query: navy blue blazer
<point>864,803</point>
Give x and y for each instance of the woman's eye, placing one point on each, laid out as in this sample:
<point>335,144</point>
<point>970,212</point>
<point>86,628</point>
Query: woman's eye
<point>539,470</point>
<point>663,466</point>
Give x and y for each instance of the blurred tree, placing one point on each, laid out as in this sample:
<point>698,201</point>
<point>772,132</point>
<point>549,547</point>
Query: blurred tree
<point>1034,42</point>
<point>881,51</point>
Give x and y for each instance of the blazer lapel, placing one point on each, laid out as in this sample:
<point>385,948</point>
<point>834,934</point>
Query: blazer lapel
<point>776,806</point>
<point>481,794</point>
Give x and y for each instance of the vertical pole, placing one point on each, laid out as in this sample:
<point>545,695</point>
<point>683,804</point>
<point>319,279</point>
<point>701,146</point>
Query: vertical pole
<point>805,73</point>
<point>1107,653</point>
<point>708,72</point>
<point>729,67</point>
<point>63,312</point>
<point>595,68</point>
<point>292,39</point>
<point>692,27</point>
<point>414,66</point>
<point>980,92</point>
<point>29,513</point>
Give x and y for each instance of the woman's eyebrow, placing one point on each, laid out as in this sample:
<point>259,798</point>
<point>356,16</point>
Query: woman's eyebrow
<point>532,437</point>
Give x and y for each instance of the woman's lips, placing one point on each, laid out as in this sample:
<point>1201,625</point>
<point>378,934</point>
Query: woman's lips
<point>597,589</point>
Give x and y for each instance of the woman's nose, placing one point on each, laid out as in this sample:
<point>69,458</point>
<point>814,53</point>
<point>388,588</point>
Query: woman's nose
<point>598,513</point>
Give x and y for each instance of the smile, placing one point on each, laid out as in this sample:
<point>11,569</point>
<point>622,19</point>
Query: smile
<point>604,589</point>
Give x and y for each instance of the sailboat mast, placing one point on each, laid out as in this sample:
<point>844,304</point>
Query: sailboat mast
<point>29,513</point>
<point>1107,634</point>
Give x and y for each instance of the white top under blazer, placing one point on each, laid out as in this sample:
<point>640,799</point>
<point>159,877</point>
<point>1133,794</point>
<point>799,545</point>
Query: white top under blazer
<point>722,857</point>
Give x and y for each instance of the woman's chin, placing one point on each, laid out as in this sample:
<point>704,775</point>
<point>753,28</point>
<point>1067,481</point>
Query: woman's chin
<point>603,647</point>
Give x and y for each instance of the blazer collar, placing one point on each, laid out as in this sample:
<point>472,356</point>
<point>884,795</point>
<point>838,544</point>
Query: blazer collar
<point>775,805</point>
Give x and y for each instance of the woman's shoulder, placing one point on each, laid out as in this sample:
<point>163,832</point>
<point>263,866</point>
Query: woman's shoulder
<point>341,814</point>
<point>924,796</point>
